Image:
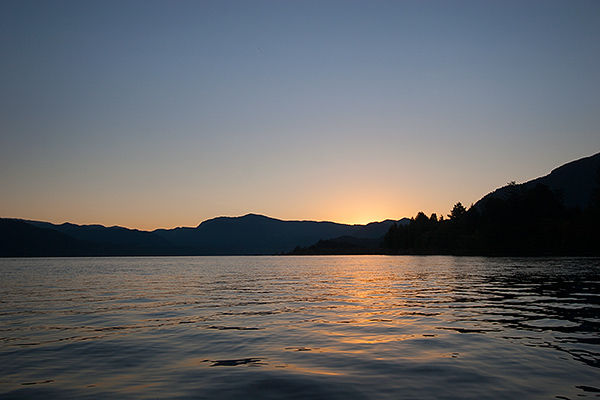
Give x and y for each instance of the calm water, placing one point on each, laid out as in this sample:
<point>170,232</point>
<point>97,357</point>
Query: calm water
<point>368,327</point>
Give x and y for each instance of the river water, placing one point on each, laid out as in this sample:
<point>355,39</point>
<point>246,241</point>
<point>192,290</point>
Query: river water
<point>347,327</point>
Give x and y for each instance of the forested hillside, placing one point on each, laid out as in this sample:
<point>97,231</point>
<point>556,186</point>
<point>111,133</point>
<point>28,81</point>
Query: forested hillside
<point>527,221</point>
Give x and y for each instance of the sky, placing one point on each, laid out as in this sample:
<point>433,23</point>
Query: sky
<point>157,114</point>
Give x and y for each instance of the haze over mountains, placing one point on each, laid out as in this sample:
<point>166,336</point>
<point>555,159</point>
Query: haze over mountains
<point>250,234</point>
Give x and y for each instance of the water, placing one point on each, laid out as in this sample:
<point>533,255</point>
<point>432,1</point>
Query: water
<point>367,327</point>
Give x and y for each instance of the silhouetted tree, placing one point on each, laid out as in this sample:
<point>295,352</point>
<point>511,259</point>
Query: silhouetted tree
<point>458,211</point>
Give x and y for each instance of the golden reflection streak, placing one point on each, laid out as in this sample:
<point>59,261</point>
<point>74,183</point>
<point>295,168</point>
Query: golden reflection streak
<point>365,339</point>
<point>368,290</point>
<point>311,370</point>
<point>138,387</point>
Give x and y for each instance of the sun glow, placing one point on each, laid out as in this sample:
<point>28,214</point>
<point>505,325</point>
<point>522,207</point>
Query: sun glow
<point>364,212</point>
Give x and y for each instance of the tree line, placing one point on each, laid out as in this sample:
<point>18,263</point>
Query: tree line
<point>527,222</point>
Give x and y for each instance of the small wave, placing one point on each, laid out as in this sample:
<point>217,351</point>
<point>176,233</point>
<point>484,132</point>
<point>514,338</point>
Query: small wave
<point>588,388</point>
<point>234,328</point>
<point>236,362</point>
<point>300,348</point>
<point>37,383</point>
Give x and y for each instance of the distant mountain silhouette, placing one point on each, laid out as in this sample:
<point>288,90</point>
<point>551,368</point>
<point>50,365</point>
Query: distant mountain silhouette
<point>20,239</point>
<point>257,234</point>
<point>111,235</point>
<point>574,181</point>
<point>250,234</point>
<point>340,245</point>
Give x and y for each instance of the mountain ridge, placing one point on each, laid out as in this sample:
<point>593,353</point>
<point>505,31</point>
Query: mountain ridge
<point>250,234</point>
<point>254,234</point>
<point>575,180</point>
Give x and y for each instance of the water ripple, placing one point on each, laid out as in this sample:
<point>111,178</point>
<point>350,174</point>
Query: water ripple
<point>299,327</point>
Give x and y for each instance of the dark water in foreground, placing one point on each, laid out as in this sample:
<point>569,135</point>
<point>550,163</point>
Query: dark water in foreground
<point>367,327</point>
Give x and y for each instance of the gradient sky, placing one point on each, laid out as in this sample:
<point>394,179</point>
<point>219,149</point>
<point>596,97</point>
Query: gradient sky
<point>150,114</point>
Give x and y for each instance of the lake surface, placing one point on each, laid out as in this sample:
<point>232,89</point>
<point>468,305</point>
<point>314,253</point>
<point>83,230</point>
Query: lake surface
<point>366,327</point>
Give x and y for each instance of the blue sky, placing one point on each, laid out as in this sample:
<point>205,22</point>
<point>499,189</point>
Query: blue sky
<point>151,114</point>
